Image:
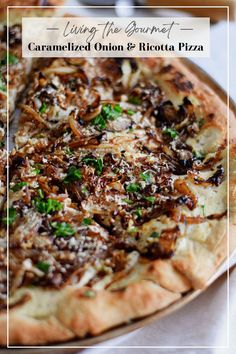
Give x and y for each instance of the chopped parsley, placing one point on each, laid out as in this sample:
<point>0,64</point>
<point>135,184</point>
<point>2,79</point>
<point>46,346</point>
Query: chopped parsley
<point>73,174</point>
<point>84,190</point>
<point>127,200</point>
<point>43,108</point>
<point>138,212</point>
<point>86,222</point>
<point>203,210</point>
<point>11,58</point>
<point>89,293</point>
<point>2,85</point>
<point>150,199</point>
<point>62,229</point>
<point>40,193</point>
<point>47,207</point>
<point>96,163</point>
<point>36,170</point>
<point>43,266</point>
<point>133,230</point>
<point>10,216</point>
<point>135,100</point>
<point>108,112</point>
<point>155,234</point>
<point>100,121</point>
<point>68,151</point>
<point>133,188</point>
<point>18,186</point>
<point>130,112</point>
<point>171,132</point>
<point>145,176</point>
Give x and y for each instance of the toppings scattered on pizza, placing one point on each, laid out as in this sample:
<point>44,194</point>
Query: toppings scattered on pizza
<point>109,171</point>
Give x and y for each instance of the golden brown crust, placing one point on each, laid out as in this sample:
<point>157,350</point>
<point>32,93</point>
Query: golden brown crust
<point>198,262</point>
<point>74,314</point>
<point>83,315</point>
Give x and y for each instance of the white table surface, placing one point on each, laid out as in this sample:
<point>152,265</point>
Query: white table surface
<point>203,322</point>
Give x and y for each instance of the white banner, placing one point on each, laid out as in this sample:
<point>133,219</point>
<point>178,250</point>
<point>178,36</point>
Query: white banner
<point>115,37</point>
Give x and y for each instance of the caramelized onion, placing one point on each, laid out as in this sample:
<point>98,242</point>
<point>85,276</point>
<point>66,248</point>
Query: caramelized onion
<point>34,114</point>
<point>181,187</point>
<point>74,125</point>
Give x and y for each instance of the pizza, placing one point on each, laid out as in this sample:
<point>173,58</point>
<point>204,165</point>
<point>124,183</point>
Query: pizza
<point>118,195</point>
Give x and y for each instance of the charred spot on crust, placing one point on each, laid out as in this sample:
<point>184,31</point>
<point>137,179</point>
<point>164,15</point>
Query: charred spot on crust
<point>180,82</point>
<point>166,69</point>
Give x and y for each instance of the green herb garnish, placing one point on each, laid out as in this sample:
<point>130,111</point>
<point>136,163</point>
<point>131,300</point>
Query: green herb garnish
<point>146,176</point>
<point>3,86</point>
<point>11,58</point>
<point>130,112</point>
<point>128,201</point>
<point>73,174</point>
<point>96,163</point>
<point>36,170</point>
<point>69,152</point>
<point>43,108</point>
<point>47,207</point>
<point>138,212</point>
<point>155,234</point>
<point>62,229</point>
<point>135,100</point>
<point>133,230</point>
<point>40,193</point>
<point>150,199</point>
<point>84,190</point>
<point>203,210</point>
<point>10,216</point>
<point>43,266</point>
<point>100,121</point>
<point>18,186</point>
<point>89,293</point>
<point>86,222</point>
<point>133,188</point>
<point>171,132</point>
<point>108,112</point>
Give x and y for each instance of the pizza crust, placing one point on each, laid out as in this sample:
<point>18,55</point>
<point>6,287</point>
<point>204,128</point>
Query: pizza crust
<point>83,315</point>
